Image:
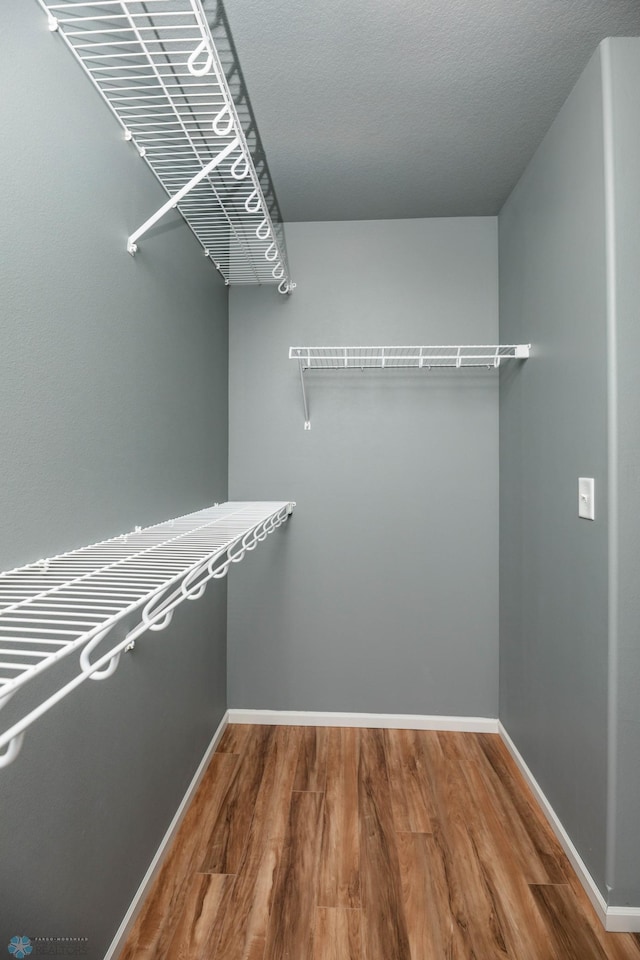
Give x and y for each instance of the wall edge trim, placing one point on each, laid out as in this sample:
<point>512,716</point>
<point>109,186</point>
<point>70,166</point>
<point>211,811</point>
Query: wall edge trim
<point>391,721</point>
<point>130,916</point>
<point>613,919</point>
<point>613,455</point>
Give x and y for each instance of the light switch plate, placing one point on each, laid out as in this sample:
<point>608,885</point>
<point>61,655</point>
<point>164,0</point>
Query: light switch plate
<point>586,498</point>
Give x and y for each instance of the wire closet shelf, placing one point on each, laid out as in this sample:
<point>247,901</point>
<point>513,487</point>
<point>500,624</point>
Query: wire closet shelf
<point>392,358</point>
<point>424,358</point>
<point>120,587</point>
<point>181,99</point>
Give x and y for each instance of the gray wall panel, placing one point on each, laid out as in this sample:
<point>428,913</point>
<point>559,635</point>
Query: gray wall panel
<point>382,593</point>
<point>553,429</point>
<point>113,392</point>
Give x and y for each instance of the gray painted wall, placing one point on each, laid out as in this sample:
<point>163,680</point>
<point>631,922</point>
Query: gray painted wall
<point>553,429</point>
<point>381,594</point>
<point>113,392</point>
<point>624,59</point>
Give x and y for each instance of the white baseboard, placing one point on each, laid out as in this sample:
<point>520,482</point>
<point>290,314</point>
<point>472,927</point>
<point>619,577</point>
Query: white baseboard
<point>613,919</point>
<point>623,919</point>
<point>125,927</point>
<point>392,721</point>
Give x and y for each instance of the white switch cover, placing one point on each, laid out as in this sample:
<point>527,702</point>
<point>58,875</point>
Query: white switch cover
<point>586,498</point>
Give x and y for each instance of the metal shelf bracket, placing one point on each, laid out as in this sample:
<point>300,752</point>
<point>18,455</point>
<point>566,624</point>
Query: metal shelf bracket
<point>307,421</point>
<point>173,202</point>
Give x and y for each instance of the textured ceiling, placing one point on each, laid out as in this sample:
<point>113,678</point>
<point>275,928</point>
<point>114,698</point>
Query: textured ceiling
<point>402,108</point>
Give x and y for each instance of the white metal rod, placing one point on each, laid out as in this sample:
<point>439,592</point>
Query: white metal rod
<point>75,4</point>
<point>307,421</point>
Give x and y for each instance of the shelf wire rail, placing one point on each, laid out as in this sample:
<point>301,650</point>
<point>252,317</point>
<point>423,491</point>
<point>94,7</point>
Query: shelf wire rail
<point>390,358</point>
<point>181,99</point>
<point>121,587</point>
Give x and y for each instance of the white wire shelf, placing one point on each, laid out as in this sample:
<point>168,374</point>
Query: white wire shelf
<point>157,66</point>
<point>125,586</point>
<point>426,358</point>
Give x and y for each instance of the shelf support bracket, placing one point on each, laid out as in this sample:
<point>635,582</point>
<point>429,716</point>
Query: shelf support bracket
<point>307,421</point>
<point>173,202</point>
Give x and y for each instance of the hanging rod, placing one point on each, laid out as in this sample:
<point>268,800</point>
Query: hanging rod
<point>157,66</point>
<point>386,358</point>
<point>124,587</point>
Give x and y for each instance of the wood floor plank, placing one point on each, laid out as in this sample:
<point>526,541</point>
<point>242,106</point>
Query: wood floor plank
<point>538,861</point>
<point>312,762</point>
<point>227,841</point>
<point>457,747</point>
<point>240,931</point>
<point>384,925</point>
<point>425,894</point>
<point>571,936</point>
<point>337,934</point>
<point>154,927</point>
<point>523,817</point>
<point>206,896</point>
<point>616,946</point>
<point>234,738</point>
<point>466,902</point>
<point>339,880</point>
<point>475,904</point>
<point>291,924</point>
<point>502,867</point>
<point>410,789</point>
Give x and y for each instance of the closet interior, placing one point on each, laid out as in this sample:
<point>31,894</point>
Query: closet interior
<point>455,546</point>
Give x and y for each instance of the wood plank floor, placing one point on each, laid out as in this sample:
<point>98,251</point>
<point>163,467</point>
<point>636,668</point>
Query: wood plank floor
<point>348,844</point>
